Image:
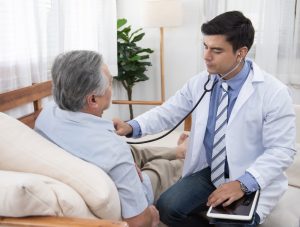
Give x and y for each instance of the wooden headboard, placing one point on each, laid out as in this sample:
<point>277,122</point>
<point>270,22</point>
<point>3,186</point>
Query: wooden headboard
<point>31,94</point>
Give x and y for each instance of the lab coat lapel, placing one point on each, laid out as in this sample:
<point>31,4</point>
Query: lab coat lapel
<point>245,92</point>
<point>196,159</point>
<point>203,108</point>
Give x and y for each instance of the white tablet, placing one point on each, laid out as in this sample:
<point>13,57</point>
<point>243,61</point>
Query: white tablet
<point>242,209</point>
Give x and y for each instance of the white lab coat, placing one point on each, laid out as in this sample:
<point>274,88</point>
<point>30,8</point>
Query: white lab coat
<point>260,136</point>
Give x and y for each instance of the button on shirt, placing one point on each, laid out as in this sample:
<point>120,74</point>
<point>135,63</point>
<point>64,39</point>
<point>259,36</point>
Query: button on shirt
<point>93,139</point>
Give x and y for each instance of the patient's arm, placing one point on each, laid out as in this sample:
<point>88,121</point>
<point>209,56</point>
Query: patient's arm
<point>149,218</point>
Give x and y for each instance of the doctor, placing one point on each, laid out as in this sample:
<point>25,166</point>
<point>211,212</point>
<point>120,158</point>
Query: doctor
<point>243,132</point>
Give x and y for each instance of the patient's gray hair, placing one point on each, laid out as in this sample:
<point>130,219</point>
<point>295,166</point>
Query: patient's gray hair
<point>75,75</point>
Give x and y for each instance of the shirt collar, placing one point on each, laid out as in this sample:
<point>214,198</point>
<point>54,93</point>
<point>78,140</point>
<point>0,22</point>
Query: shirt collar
<point>237,81</point>
<point>85,118</point>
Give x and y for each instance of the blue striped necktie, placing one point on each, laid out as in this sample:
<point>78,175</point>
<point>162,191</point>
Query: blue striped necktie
<point>219,145</point>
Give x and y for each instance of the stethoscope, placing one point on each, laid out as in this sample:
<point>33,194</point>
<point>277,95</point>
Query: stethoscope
<point>206,90</point>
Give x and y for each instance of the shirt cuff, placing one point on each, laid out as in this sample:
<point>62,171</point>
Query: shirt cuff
<point>249,181</point>
<point>136,129</point>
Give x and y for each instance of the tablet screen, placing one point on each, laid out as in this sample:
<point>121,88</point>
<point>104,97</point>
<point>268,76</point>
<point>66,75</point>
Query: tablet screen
<point>241,209</point>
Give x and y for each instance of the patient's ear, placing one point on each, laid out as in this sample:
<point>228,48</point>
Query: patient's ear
<point>94,105</point>
<point>91,102</point>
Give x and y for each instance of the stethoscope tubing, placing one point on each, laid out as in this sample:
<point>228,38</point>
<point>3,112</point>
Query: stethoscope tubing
<point>206,90</point>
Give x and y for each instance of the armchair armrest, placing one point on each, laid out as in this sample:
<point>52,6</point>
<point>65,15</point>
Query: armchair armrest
<point>59,222</point>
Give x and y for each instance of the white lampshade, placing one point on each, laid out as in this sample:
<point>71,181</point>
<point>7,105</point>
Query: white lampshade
<point>162,13</point>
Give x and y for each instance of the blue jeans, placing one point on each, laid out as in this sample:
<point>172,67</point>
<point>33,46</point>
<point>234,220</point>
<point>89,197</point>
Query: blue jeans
<point>181,204</point>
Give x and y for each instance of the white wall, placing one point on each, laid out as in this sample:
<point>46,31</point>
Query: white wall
<point>183,55</point>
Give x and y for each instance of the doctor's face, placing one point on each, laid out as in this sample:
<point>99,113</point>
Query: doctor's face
<point>219,56</point>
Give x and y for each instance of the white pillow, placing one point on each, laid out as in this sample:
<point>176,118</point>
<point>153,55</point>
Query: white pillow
<point>25,194</point>
<point>24,150</point>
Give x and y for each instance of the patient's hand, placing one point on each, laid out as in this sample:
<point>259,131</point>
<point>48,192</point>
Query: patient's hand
<point>155,215</point>
<point>122,128</point>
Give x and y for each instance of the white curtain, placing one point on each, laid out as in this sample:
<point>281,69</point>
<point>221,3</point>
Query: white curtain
<point>84,24</point>
<point>23,49</point>
<point>33,32</point>
<point>276,47</point>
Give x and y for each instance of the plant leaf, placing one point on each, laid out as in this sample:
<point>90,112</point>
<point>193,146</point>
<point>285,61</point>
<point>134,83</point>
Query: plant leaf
<point>138,37</point>
<point>143,57</point>
<point>126,30</point>
<point>121,22</point>
<point>135,32</point>
<point>135,58</point>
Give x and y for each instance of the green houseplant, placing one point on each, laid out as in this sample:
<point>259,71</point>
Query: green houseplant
<point>131,58</point>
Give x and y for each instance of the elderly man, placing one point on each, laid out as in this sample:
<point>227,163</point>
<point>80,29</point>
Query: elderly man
<point>82,91</point>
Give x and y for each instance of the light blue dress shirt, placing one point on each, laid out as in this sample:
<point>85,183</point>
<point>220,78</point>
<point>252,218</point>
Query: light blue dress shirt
<point>94,140</point>
<point>235,84</point>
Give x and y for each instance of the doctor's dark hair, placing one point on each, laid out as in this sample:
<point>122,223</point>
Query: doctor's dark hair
<point>238,29</point>
<point>75,75</point>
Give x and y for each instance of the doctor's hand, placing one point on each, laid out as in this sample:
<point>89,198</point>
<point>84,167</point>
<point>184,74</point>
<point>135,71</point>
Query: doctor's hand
<point>225,194</point>
<point>122,128</point>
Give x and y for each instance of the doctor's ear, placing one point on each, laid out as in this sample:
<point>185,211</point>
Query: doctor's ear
<point>241,53</point>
